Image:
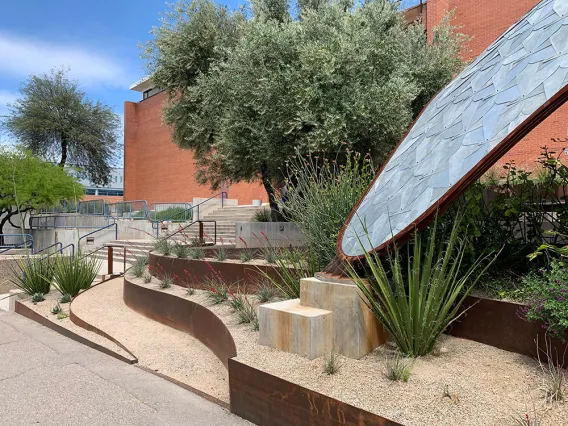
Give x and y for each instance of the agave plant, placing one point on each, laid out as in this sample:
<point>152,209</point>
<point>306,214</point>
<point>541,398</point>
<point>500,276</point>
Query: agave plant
<point>416,299</point>
<point>72,274</point>
<point>33,275</point>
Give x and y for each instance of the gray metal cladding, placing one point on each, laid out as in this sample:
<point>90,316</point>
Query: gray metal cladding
<point>510,80</point>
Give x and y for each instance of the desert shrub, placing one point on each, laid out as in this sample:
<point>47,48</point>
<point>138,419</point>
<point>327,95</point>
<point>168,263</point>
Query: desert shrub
<point>56,309</point>
<point>263,215</point>
<point>546,292</point>
<point>217,291</point>
<point>196,253</point>
<point>553,371</point>
<point>147,278</point>
<point>166,280</point>
<point>221,254</point>
<point>139,266</point>
<point>417,297</point>
<point>236,300</point>
<point>269,253</point>
<point>172,214</point>
<point>65,298</point>
<point>293,265</point>
<point>37,297</point>
<point>398,367</point>
<point>331,363</point>
<point>73,274</point>
<point>190,291</point>
<point>33,275</point>
<point>163,246</point>
<point>265,292</point>
<point>320,195</point>
<point>181,250</point>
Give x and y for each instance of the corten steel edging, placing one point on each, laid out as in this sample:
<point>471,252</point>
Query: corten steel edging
<point>186,387</point>
<point>184,315</point>
<point>267,400</point>
<point>34,316</point>
<point>455,191</point>
<point>499,324</point>
<point>235,274</point>
<point>89,327</point>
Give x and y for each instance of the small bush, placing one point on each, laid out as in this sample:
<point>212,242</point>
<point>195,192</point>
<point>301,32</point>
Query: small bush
<point>246,255</point>
<point>56,309</point>
<point>331,364</point>
<point>139,266</point>
<point>265,292</point>
<point>71,275</point>
<point>163,246</point>
<point>181,250</point>
<point>236,300</point>
<point>554,376</point>
<point>65,298</point>
<point>263,215</point>
<point>37,297</point>
<point>217,291</point>
<point>397,367</point>
<point>221,254</point>
<point>292,267</point>
<point>147,278</point>
<point>548,298</point>
<point>197,253</point>
<point>269,253</point>
<point>190,291</point>
<point>33,275</point>
<point>167,281</point>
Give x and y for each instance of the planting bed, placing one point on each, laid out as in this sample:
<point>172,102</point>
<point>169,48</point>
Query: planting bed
<point>465,383</point>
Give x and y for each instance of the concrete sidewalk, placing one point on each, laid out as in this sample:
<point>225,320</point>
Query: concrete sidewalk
<point>48,379</point>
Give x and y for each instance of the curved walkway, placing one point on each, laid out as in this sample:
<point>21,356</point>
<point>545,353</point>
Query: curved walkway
<point>51,380</point>
<point>158,347</point>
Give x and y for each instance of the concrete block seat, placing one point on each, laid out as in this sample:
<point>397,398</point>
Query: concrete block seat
<point>329,315</point>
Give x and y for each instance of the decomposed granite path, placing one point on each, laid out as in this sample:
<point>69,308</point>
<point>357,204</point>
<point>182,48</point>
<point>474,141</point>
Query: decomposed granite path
<point>158,347</point>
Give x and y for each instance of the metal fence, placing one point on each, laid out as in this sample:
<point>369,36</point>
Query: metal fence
<point>69,221</point>
<point>137,209</point>
<point>171,212</point>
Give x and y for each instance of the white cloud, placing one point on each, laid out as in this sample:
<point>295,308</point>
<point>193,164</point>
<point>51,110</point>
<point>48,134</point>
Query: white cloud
<point>22,57</point>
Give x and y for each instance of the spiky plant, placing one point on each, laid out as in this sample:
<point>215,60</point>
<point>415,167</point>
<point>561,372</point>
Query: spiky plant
<point>33,275</point>
<point>416,299</point>
<point>139,266</point>
<point>331,363</point>
<point>56,309</point>
<point>73,274</point>
<point>65,298</point>
<point>398,367</point>
<point>37,297</point>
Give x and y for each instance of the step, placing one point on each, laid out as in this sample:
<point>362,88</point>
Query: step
<point>291,327</point>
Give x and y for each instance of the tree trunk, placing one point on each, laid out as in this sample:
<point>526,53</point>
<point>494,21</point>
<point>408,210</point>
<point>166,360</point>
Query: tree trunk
<point>267,183</point>
<point>63,151</point>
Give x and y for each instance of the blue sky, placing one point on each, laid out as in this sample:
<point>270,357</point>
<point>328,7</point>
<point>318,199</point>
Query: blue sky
<point>97,40</point>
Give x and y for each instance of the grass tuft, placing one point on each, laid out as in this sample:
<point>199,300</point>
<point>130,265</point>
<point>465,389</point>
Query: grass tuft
<point>37,297</point>
<point>331,363</point>
<point>397,367</point>
<point>56,309</point>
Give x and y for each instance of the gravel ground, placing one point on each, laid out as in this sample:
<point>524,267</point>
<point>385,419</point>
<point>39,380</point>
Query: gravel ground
<point>486,385</point>
<point>157,346</point>
<point>44,308</point>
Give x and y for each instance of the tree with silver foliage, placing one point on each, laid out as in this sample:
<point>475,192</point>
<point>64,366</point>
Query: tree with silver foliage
<point>56,121</point>
<point>248,89</point>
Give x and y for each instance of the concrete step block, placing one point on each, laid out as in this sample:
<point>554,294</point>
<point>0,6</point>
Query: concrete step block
<point>290,327</point>
<point>356,330</point>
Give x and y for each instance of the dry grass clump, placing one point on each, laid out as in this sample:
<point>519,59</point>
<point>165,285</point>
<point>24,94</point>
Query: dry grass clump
<point>398,367</point>
<point>331,363</point>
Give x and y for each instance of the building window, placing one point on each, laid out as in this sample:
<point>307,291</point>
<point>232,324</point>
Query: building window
<point>150,92</point>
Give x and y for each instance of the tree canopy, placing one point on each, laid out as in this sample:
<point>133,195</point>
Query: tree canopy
<point>56,121</point>
<point>29,183</point>
<point>249,89</point>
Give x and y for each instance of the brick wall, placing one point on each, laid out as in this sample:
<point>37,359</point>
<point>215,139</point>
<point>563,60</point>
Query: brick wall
<point>156,170</point>
<point>485,21</point>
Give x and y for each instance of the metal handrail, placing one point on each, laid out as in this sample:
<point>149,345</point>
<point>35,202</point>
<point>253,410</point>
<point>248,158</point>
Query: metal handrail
<point>48,247</point>
<point>45,218</point>
<point>144,210</point>
<point>186,208</point>
<point>110,256</point>
<point>8,247</point>
<point>100,229</point>
<point>201,222</point>
<point>60,251</point>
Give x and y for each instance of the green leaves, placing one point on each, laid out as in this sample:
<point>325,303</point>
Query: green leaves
<point>418,296</point>
<point>73,274</point>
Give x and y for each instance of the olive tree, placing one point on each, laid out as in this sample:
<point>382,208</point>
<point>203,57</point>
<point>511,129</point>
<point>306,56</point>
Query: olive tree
<point>246,94</point>
<point>56,121</point>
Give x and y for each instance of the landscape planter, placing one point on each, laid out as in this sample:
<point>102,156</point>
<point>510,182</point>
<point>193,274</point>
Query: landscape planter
<point>267,400</point>
<point>498,323</point>
<point>234,273</point>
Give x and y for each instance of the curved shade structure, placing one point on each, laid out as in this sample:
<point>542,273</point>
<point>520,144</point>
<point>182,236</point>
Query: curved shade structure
<point>509,89</point>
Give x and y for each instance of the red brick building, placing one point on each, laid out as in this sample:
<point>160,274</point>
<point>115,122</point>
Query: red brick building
<point>157,170</point>
<point>484,21</point>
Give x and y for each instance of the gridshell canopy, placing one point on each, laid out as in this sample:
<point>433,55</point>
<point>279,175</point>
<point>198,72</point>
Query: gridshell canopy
<point>509,89</point>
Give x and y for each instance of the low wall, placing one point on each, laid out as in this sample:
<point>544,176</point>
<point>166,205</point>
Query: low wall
<point>234,273</point>
<point>278,234</point>
<point>497,323</point>
<point>267,400</point>
<point>184,315</point>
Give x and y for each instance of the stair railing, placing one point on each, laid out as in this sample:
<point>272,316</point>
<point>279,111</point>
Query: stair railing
<point>28,242</point>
